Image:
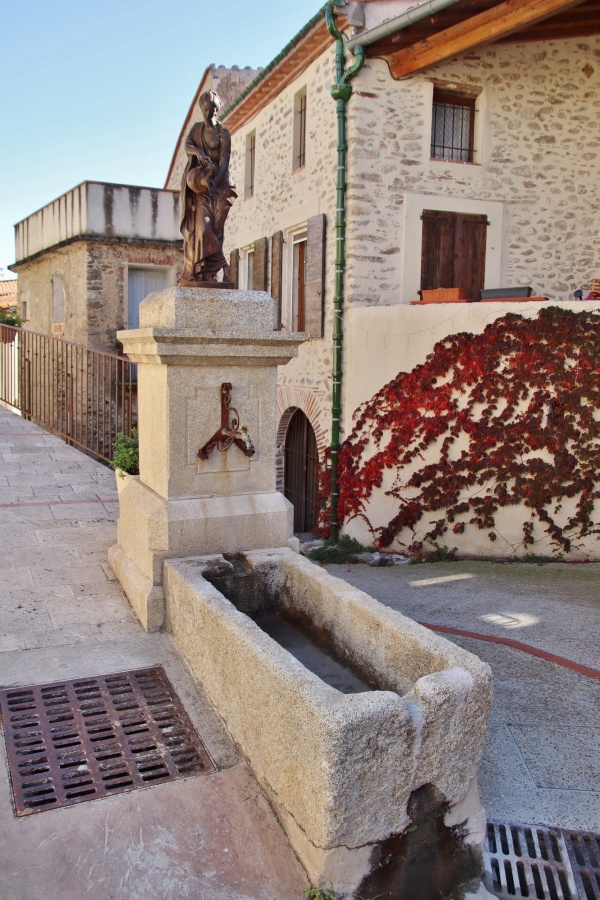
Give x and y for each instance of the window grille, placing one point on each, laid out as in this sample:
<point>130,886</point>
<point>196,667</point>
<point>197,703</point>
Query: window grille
<point>452,127</point>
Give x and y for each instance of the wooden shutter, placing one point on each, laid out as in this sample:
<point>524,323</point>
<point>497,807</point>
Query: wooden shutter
<point>437,254</point>
<point>453,251</point>
<point>470,235</point>
<point>314,290</point>
<point>259,273</point>
<point>234,264</point>
<point>277,272</point>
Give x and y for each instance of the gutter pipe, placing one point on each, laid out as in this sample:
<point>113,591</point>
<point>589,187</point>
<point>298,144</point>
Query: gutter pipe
<point>398,23</point>
<point>341,92</point>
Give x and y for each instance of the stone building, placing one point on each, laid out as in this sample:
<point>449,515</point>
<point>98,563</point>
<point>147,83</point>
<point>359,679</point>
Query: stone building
<point>8,295</point>
<point>86,260</point>
<point>473,135</point>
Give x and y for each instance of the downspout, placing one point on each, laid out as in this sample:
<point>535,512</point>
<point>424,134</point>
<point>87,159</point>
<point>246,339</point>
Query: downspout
<point>341,92</point>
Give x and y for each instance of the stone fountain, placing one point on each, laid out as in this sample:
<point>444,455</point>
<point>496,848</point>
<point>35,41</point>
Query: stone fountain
<point>364,729</point>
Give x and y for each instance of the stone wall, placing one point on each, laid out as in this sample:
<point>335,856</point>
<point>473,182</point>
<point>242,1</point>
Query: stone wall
<point>94,276</point>
<point>35,291</point>
<point>535,173</point>
<point>106,287</point>
<point>535,176</point>
<point>285,199</point>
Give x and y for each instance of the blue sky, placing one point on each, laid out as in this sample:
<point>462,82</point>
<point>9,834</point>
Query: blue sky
<point>100,91</point>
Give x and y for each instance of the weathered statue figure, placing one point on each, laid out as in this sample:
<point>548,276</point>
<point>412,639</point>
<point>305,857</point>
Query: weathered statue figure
<point>206,196</point>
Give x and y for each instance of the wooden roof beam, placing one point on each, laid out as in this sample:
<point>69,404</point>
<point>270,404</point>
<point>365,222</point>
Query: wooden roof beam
<point>484,28</point>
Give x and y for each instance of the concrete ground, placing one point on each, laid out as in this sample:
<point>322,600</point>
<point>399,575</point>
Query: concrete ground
<point>214,837</point>
<point>541,763</point>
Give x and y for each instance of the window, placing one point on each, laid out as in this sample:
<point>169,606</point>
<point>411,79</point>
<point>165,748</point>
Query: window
<point>453,126</point>
<point>299,146</point>
<point>250,164</point>
<point>140,283</point>
<point>58,299</point>
<point>298,280</point>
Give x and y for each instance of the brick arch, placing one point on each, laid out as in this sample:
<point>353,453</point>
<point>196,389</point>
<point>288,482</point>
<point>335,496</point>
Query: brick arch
<point>289,399</point>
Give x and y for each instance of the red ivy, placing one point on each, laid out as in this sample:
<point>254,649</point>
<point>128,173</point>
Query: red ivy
<point>514,417</point>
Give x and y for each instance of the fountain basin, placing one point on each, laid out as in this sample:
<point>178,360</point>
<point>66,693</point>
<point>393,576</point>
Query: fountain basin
<point>342,769</point>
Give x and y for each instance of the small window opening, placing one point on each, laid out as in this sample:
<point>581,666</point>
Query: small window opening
<point>299,130</point>
<point>250,164</point>
<point>453,126</point>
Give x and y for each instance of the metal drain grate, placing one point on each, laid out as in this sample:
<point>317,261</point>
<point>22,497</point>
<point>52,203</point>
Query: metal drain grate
<point>584,853</point>
<point>540,862</point>
<point>85,739</point>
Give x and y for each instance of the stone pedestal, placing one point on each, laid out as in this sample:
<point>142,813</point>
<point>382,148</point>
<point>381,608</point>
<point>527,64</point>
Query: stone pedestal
<point>190,342</point>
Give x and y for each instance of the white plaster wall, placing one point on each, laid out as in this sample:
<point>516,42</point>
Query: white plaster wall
<point>381,342</point>
<point>132,212</point>
<point>57,221</point>
<point>100,209</point>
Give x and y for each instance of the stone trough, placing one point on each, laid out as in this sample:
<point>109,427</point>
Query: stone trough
<point>369,747</point>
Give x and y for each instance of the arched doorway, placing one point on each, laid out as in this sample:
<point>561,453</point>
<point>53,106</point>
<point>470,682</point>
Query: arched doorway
<point>301,472</point>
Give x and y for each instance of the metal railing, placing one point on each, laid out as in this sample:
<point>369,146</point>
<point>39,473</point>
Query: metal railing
<point>84,395</point>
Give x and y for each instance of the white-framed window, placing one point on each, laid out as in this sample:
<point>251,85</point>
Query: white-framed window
<point>299,131</point>
<point>294,279</point>
<point>141,281</point>
<point>247,267</point>
<point>250,164</point>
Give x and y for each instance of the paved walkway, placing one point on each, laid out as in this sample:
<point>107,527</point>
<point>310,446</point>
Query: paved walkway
<point>63,616</point>
<point>214,837</point>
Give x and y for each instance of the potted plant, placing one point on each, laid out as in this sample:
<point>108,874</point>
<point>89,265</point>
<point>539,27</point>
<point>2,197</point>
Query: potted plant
<point>126,456</point>
<point>7,317</point>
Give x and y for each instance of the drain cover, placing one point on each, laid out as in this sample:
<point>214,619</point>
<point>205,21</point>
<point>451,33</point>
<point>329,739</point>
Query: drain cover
<point>584,853</point>
<point>540,862</point>
<point>85,739</point>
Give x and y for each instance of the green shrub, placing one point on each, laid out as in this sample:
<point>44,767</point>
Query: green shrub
<point>343,551</point>
<point>126,454</point>
<point>315,893</point>
<point>10,318</point>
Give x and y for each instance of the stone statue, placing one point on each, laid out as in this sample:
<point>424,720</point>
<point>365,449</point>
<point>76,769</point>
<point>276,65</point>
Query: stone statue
<point>206,196</point>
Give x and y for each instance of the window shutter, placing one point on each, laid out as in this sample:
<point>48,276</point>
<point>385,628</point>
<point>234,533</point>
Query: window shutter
<point>314,306</point>
<point>453,251</point>
<point>470,237</point>
<point>259,273</point>
<point>277,272</point>
<point>234,265</point>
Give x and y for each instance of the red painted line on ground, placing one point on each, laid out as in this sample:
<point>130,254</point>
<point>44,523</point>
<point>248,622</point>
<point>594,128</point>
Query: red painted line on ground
<point>56,503</point>
<point>517,645</point>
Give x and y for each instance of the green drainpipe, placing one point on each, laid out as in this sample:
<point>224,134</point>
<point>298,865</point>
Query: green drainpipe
<point>340,91</point>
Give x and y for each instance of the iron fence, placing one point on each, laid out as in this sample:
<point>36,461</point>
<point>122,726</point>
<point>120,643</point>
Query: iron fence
<point>84,395</point>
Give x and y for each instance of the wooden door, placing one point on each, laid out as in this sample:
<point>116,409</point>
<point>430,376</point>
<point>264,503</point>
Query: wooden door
<point>301,472</point>
<point>453,251</point>
<point>140,283</point>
